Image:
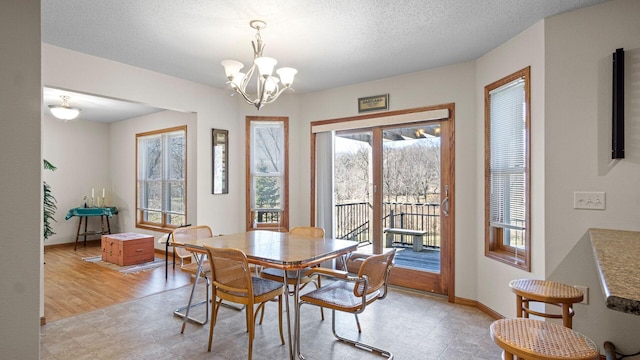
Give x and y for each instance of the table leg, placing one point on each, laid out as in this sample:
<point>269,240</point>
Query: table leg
<point>78,233</point>
<point>296,312</point>
<point>286,297</point>
<point>86,220</point>
<point>108,225</point>
<point>166,257</point>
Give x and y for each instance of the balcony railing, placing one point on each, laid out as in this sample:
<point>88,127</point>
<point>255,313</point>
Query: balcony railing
<point>352,221</point>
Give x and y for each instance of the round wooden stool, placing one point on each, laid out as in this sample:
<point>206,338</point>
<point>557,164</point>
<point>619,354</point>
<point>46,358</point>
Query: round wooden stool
<point>548,292</point>
<point>537,340</point>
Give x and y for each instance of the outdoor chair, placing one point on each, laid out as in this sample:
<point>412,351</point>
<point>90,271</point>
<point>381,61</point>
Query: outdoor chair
<point>351,294</point>
<point>180,238</point>
<point>233,282</point>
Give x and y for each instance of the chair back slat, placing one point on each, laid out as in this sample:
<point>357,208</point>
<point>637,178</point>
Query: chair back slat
<point>376,268</point>
<point>308,231</point>
<point>230,271</point>
<point>185,234</point>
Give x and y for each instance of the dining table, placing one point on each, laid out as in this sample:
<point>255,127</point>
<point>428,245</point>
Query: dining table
<point>283,251</point>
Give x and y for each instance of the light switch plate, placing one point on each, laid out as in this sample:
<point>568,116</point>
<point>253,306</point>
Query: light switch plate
<point>585,291</point>
<point>589,200</point>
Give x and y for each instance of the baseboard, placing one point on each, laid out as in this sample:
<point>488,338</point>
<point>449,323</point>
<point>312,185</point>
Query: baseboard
<point>482,307</point>
<point>80,243</point>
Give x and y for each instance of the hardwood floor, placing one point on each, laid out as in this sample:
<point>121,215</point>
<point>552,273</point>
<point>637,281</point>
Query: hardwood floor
<point>73,286</point>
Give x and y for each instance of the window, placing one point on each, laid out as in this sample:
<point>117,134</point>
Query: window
<point>161,180</point>
<point>507,175</point>
<point>267,173</point>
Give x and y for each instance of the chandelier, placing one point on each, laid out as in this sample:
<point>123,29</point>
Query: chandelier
<point>267,86</point>
<point>64,111</point>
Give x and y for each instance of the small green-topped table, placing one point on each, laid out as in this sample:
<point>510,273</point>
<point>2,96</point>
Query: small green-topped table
<point>81,212</point>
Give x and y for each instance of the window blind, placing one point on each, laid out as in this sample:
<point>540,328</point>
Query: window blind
<point>508,156</point>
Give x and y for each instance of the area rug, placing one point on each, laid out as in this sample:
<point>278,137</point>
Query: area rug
<point>130,269</point>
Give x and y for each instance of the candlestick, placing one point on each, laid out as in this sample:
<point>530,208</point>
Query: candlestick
<point>103,193</point>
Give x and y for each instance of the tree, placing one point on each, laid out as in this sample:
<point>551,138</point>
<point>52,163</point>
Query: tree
<point>267,190</point>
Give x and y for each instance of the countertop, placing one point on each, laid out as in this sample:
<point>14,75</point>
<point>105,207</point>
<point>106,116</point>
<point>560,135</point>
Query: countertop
<point>617,255</point>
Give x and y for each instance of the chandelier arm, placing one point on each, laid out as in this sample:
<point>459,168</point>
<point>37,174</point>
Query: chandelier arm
<point>243,94</point>
<point>262,89</point>
<point>277,94</point>
<point>247,77</point>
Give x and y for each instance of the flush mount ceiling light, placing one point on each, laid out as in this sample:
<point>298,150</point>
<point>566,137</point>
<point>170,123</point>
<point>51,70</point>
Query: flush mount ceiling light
<point>267,87</point>
<point>64,111</point>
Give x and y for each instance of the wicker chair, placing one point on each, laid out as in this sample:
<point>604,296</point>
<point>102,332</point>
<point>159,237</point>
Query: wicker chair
<point>179,238</point>
<point>232,282</point>
<point>278,275</point>
<point>352,294</point>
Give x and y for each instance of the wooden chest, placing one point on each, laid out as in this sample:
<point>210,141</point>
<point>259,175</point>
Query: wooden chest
<point>127,248</point>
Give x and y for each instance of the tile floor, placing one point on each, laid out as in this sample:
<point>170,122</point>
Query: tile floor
<point>411,325</point>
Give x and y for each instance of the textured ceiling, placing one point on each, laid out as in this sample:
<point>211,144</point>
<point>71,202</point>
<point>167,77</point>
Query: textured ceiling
<point>332,43</point>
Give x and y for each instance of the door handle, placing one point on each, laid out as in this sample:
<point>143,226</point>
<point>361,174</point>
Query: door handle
<point>444,205</point>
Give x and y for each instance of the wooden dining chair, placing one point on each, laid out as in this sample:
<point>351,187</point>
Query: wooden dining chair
<point>278,275</point>
<point>351,294</point>
<point>232,281</point>
<point>180,237</point>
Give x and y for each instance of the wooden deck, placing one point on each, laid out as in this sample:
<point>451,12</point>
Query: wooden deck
<point>428,259</point>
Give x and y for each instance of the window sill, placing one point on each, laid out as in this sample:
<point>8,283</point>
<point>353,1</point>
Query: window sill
<point>509,258</point>
<point>154,228</point>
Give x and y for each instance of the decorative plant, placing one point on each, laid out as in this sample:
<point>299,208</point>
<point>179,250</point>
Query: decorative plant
<point>49,204</point>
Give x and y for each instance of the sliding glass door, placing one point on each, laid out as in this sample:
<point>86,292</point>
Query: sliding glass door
<point>391,190</point>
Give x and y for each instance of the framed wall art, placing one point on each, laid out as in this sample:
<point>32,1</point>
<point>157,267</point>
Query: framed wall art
<point>373,103</point>
<point>220,161</point>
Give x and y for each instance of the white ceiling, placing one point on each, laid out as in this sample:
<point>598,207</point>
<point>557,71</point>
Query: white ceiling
<point>97,108</point>
<point>332,43</point>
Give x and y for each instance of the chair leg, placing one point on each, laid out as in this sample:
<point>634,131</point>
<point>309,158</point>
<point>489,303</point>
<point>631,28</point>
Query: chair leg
<point>190,304</point>
<point>355,343</point>
<point>261,308</point>
<point>252,327</point>
<point>214,316</point>
<point>279,317</point>
<point>358,323</point>
<point>321,308</point>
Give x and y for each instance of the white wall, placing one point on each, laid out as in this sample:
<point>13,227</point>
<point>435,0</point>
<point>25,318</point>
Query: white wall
<point>578,57</point>
<point>80,151</point>
<point>451,84</point>
<point>492,277</point>
<point>213,108</point>
<point>21,190</point>
<point>122,167</point>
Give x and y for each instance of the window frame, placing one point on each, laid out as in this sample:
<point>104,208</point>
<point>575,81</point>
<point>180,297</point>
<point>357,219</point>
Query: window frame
<point>495,247</point>
<point>283,223</point>
<point>165,224</point>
